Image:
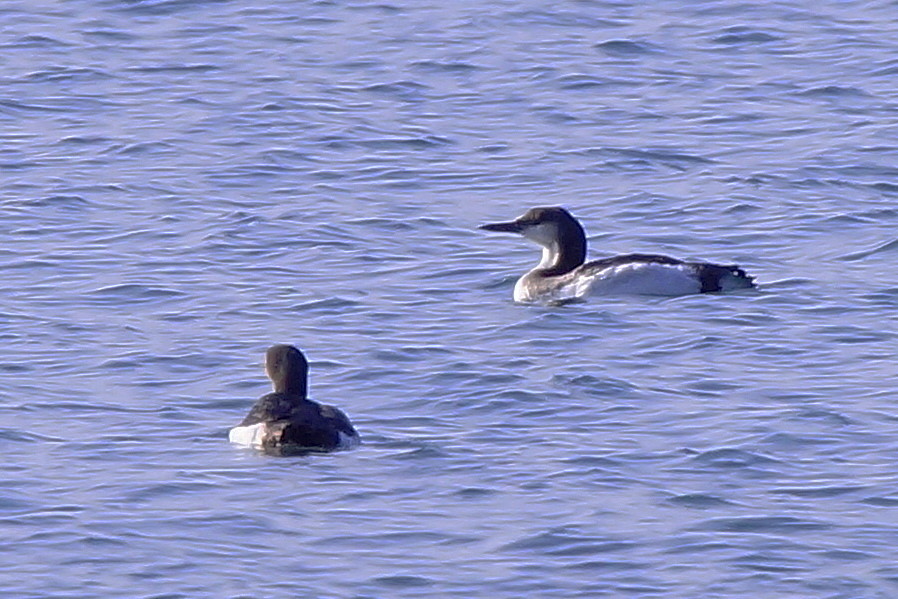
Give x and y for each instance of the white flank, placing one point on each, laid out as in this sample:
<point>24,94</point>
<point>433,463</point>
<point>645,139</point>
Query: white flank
<point>248,435</point>
<point>640,278</point>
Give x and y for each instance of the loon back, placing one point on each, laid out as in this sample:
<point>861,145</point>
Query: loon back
<point>281,423</point>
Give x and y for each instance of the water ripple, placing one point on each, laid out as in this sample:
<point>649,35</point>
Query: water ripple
<point>187,182</point>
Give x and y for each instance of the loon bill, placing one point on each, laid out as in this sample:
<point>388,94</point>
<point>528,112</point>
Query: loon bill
<point>563,273</point>
<point>286,420</point>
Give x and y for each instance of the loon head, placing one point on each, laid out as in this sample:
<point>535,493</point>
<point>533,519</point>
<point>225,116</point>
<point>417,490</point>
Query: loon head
<point>288,369</point>
<point>561,236</point>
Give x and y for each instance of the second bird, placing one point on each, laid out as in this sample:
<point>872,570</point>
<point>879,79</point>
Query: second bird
<point>563,273</point>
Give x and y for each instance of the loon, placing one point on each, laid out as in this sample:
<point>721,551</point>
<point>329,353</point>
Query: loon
<point>286,420</point>
<point>563,275</point>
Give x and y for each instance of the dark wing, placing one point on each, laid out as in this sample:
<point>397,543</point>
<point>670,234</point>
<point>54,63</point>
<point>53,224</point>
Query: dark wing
<point>298,434</point>
<point>274,406</point>
<point>710,276</point>
<point>603,263</point>
<point>300,422</point>
<point>338,420</point>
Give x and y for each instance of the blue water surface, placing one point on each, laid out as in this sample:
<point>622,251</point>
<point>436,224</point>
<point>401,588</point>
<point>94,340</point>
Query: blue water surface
<point>184,183</point>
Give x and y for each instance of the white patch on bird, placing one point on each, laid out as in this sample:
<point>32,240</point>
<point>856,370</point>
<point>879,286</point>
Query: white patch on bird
<point>521,294</point>
<point>545,234</point>
<point>248,435</point>
<point>640,278</point>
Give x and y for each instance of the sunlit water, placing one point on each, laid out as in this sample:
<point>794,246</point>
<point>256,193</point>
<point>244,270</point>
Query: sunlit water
<point>185,183</point>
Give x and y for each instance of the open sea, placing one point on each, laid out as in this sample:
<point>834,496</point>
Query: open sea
<point>184,183</point>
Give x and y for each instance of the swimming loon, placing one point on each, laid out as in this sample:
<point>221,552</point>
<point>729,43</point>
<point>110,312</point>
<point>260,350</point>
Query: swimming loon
<point>286,419</point>
<point>563,274</point>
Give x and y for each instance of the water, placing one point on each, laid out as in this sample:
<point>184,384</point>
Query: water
<point>185,183</point>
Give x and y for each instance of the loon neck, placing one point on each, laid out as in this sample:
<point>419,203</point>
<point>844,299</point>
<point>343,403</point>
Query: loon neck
<point>288,370</point>
<point>561,258</point>
<point>291,387</point>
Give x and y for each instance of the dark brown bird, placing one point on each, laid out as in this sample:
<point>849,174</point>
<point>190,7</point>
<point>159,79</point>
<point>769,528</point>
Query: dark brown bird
<point>286,420</point>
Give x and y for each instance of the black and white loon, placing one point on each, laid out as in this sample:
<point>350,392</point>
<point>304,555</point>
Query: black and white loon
<point>563,274</point>
<point>287,419</point>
